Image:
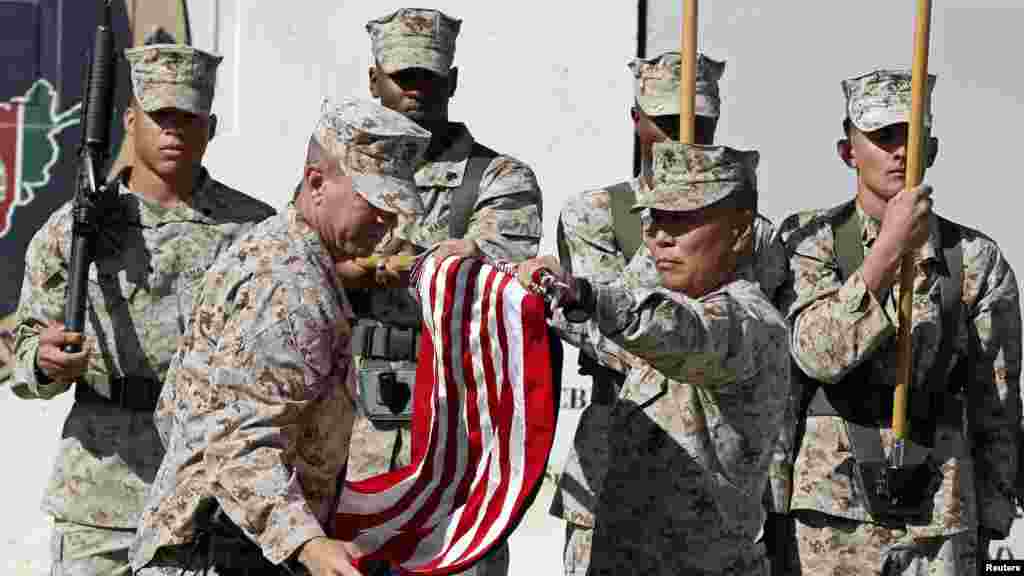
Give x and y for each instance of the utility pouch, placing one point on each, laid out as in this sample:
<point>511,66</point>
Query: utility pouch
<point>894,495</point>
<point>385,392</point>
<point>386,370</point>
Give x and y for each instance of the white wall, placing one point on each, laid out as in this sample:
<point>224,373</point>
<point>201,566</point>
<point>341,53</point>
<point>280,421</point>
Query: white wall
<point>546,81</point>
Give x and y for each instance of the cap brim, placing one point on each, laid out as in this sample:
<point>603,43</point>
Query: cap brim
<point>679,202</point>
<point>439,64</point>
<point>389,194</point>
<point>873,122</point>
<point>178,97</point>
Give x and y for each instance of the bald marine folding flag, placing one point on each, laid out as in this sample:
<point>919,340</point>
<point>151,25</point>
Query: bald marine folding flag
<point>482,429</point>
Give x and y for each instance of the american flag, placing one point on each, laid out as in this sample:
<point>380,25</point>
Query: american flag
<point>483,425</point>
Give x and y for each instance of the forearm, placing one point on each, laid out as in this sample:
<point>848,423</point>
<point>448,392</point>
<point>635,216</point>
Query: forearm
<point>994,397</point>
<point>677,338</point>
<point>260,491</point>
<point>28,382</point>
<point>838,330</point>
<point>507,226</point>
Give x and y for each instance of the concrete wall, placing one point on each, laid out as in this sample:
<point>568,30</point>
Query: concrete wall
<point>546,82</point>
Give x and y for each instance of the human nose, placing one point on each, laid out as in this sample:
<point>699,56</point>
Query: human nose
<point>659,236</point>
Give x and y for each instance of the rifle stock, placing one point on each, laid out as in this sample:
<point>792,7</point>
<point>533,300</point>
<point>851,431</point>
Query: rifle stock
<point>94,153</point>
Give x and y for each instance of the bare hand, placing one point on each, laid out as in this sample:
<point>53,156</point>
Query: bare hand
<point>905,223</point>
<point>527,271</point>
<point>462,247</point>
<point>904,229</point>
<point>357,273</point>
<point>327,557</point>
<point>53,361</point>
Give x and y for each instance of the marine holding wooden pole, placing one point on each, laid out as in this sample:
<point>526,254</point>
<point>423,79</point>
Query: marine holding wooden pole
<point>916,138</point>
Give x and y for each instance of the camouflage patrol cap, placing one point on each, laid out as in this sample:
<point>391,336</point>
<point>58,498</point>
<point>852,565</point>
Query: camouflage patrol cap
<point>656,84</point>
<point>173,76</point>
<point>881,98</point>
<point>414,38</point>
<point>691,176</point>
<point>378,148</point>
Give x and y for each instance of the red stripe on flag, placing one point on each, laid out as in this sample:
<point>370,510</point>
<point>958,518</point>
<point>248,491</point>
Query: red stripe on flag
<point>449,515</point>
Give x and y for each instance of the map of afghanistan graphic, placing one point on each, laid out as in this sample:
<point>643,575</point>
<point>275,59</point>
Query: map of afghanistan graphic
<point>29,125</point>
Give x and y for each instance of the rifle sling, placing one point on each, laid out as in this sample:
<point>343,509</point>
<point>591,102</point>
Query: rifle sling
<point>464,196</point>
<point>625,223</point>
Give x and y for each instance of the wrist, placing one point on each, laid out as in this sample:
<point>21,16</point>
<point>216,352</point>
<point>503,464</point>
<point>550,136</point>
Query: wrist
<point>41,378</point>
<point>880,268</point>
<point>582,307</point>
<point>308,552</point>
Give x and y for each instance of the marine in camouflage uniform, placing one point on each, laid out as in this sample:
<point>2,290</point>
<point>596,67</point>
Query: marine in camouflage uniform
<point>153,248</point>
<point>842,325</point>
<point>413,51</point>
<point>590,248</point>
<point>692,433</point>
<point>259,403</point>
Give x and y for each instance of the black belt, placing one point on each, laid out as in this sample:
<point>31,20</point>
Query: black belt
<point>380,342</point>
<point>218,543</point>
<point>227,560</point>
<point>128,392</point>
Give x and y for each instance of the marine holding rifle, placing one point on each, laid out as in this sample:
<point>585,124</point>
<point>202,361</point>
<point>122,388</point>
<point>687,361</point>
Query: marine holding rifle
<point>162,228</point>
<point>854,514</point>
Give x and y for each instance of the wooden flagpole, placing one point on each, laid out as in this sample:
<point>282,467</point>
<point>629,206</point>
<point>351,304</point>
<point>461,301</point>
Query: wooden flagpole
<point>688,81</point>
<point>916,139</point>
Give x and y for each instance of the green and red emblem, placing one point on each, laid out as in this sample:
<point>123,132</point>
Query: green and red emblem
<point>29,126</point>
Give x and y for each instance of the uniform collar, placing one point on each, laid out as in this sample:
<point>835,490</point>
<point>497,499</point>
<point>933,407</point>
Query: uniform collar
<point>448,169</point>
<point>204,206</point>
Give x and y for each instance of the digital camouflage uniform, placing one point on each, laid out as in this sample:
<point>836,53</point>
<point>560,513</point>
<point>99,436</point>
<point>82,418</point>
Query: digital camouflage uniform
<point>149,260</point>
<point>837,326</point>
<point>6,350</point>
<point>590,240</point>
<point>259,403</point>
<point>691,433</point>
<point>505,221</point>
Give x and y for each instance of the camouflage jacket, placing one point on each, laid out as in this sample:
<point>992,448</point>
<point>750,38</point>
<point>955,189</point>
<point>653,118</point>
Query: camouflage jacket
<point>838,326</point>
<point>691,438</point>
<point>506,221</point>
<point>589,236</point>
<point>149,261</point>
<point>6,354</point>
<point>258,405</point>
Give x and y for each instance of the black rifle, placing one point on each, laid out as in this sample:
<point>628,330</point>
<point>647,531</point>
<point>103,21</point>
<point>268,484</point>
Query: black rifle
<point>90,194</point>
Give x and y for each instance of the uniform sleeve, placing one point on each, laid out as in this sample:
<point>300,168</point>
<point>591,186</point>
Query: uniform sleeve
<point>684,339</point>
<point>6,354</point>
<point>42,298</point>
<point>588,235</point>
<point>835,325</point>
<point>586,243</point>
<point>726,352</point>
<point>994,386</point>
<point>258,389</point>
<point>507,219</point>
